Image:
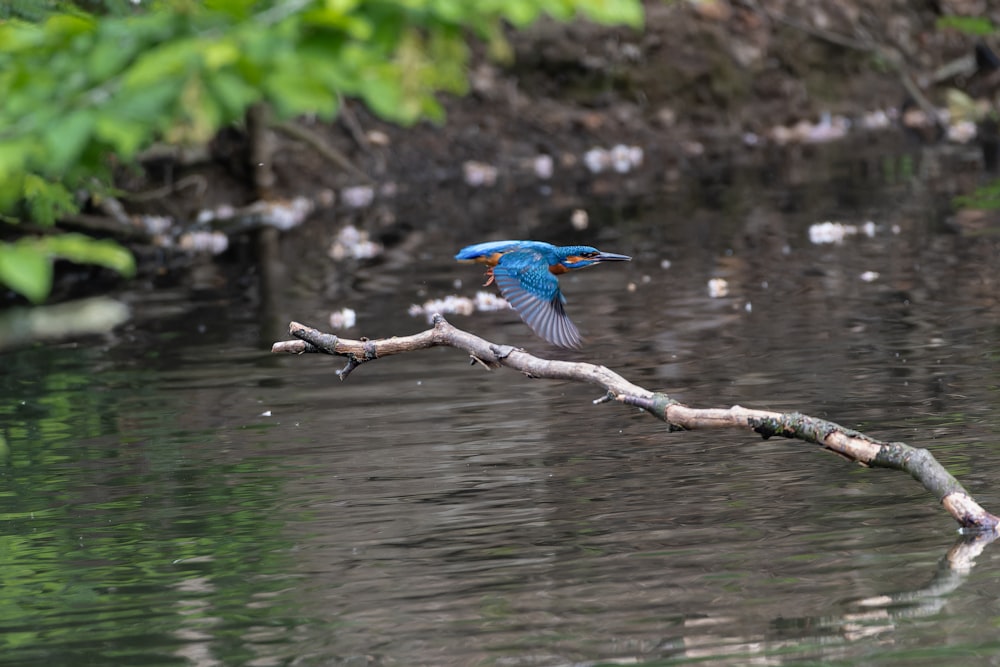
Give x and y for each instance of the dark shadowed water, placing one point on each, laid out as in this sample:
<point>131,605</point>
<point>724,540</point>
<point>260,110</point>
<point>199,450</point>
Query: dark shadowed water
<point>176,495</point>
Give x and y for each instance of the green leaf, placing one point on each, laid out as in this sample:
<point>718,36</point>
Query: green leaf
<point>328,17</point>
<point>521,12</point>
<point>293,90</point>
<point>613,11</point>
<point>970,25</point>
<point>126,135</point>
<point>47,201</point>
<point>15,155</point>
<point>235,8</point>
<point>218,54</point>
<point>232,92</point>
<point>109,57</point>
<point>17,37</point>
<point>166,61</point>
<point>85,250</point>
<point>26,266</point>
<point>66,138</point>
<point>26,270</point>
<point>385,96</point>
<point>984,197</point>
<point>148,103</point>
<point>64,27</point>
<point>11,193</point>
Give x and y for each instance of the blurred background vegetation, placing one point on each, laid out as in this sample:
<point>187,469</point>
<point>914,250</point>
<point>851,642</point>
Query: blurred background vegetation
<point>89,84</point>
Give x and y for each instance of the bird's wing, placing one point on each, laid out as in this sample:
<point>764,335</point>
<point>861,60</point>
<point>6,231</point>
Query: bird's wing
<point>525,281</point>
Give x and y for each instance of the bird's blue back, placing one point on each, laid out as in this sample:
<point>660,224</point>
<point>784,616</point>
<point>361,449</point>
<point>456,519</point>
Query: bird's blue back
<point>484,250</point>
<point>550,254</point>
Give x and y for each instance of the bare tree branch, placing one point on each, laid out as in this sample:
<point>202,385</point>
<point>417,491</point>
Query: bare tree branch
<point>856,446</point>
<point>325,150</point>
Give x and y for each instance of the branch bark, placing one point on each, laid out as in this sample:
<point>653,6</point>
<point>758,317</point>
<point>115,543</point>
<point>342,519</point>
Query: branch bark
<point>856,446</point>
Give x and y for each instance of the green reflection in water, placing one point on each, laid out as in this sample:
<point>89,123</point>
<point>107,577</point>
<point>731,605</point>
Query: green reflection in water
<point>127,538</point>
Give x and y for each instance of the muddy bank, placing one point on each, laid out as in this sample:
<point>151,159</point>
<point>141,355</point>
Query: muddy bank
<point>702,83</point>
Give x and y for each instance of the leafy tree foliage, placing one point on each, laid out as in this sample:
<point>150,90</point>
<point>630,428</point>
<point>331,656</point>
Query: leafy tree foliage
<point>89,85</point>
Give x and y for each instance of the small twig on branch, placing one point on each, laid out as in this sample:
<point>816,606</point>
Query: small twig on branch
<point>851,444</point>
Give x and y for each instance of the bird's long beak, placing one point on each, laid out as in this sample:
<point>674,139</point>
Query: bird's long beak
<point>612,257</point>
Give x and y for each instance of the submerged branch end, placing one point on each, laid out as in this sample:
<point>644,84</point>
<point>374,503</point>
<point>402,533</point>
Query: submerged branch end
<point>970,514</point>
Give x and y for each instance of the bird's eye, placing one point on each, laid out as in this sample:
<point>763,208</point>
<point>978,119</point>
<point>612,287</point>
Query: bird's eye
<point>589,255</point>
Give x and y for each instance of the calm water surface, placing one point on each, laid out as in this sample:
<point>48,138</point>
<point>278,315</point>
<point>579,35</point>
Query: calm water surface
<point>175,495</point>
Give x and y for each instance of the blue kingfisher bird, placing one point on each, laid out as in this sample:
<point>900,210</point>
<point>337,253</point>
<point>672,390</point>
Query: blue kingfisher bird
<point>526,273</point>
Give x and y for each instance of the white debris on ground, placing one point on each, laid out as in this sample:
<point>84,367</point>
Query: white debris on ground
<point>161,228</point>
<point>483,302</point>
<point>877,120</point>
<point>358,196</point>
<point>479,174</point>
<point>354,243</point>
<point>223,212</point>
<point>214,243</point>
<point>829,128</point>
<point>718,288</point>
<point>869,276</point>
<point>543,166</point>
<point>283,214</point>
<point>835,232</point>
<point>621,159</point>
<point>958,120</point>
<point>345,318</point>
<point>156,224</point>
<point>579,219</point>
<point>962,132</point>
